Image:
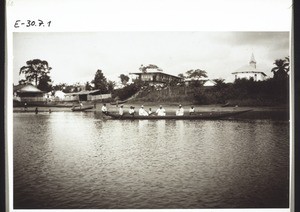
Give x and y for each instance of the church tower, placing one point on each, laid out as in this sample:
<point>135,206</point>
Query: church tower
<point>252,61</point>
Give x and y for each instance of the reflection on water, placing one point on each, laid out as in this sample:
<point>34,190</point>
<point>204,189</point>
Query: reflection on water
<point>80,160</point>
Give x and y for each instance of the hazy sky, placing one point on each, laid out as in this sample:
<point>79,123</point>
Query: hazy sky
<point>75,57</point>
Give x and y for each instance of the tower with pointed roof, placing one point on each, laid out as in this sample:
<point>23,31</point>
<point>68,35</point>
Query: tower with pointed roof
<point>252,61</point>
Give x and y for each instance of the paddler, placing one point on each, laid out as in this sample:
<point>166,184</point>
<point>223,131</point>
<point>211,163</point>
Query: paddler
<point>180,111</point>
<point>121,111</point>
<point>192,110</point>
<point>104,109</point>
<point>142,111</point>
<point>131,111</point>
<point>161,111</point>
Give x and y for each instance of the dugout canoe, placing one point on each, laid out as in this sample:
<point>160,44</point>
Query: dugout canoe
<point>118,102</point>
<point>78,108</point>
<point>198,116</point>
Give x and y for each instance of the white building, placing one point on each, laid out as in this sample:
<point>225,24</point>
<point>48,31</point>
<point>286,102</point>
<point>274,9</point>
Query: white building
<point>250,71</point>
<point>205,81</point>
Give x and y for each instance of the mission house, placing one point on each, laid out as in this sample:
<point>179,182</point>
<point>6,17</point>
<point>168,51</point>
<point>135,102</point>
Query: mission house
<point>154,77</point>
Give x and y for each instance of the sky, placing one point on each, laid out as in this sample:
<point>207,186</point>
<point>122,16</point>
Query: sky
<point>76,56</point>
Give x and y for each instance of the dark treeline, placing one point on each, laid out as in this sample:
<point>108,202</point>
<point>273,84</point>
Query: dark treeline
<point>245,92</point>
<point>242,92</point>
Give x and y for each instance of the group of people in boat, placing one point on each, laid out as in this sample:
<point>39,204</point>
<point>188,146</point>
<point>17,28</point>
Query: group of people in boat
<point>142,112</point>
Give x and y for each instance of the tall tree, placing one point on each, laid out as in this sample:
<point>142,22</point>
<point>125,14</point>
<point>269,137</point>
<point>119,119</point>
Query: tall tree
<point>34,70</point>
<point>282,68</point>
<point>110,86</point>
<point>124,79</point>
<point>45,83</point>
<point>100,81</point>
<point>197,73</point>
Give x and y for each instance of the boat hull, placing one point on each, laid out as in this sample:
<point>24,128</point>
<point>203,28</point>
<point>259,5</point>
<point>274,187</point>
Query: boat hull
<point>82,108</point>
<point>117,103</point>
<point>207,116</point>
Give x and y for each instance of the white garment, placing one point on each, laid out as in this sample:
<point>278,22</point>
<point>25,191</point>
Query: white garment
<point>104,109</point>
<point>161,112</point>
<point>121,111</point>
<point>192,110</point>
<point>142,112</point>
<point>180,112</point>
<point>131,111</point>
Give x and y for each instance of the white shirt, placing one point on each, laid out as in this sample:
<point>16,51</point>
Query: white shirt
<point>121,112</point>
<point>142,112</point>
<point>161,112</point>
<point>104,109</point>
<point>192,110</point>
<point>131,111</point>
<point>180,112</point>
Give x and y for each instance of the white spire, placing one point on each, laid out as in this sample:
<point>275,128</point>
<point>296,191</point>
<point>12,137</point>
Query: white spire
<point>252,61</point>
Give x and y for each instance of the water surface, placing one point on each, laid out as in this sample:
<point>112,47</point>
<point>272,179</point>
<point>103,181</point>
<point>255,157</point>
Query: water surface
<point>80,160</point>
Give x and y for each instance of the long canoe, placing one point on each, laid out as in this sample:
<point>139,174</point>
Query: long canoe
<point>78,108</point>
<point>198,116</point>
<point>118,102</point>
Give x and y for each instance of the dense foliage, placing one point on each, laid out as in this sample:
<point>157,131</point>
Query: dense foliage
<point>100,82</point>
<point>37,71</point>
<point>246,92</point>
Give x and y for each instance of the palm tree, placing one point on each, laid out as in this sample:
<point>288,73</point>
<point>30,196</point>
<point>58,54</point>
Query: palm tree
<point>282,68</point>
<point>35,69</point>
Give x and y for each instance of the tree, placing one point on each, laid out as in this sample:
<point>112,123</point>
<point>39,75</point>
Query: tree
<point>124,79</point>
<point>220,84</point>
<point>282,68</point>
<point>150,66</point>
<point>88,86</point>
<point>181,75</point>
<point>60,86</point>
<point>100,81</point>
<point>45,83</point>
<point>198,73</point>
<point>35,70</point>
<point>111,86</point>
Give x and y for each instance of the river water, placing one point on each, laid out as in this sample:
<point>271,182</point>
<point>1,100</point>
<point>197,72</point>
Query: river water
<point>68,160</point>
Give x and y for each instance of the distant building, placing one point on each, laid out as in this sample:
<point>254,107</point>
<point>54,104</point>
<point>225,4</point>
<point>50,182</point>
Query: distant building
<point>154,76</point>
<point>204,81</point>
<point>27,93</point>
<point>86,96</point>
<point>250,71</point>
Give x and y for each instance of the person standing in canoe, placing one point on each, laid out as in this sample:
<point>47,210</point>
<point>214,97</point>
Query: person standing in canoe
<point>121,111</point>
<point>161,111</point>
<point>104,109</point>
<point>142,111</point>
<point>180,111</point>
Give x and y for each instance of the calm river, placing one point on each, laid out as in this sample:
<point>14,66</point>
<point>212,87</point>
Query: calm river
<point>66,160</point>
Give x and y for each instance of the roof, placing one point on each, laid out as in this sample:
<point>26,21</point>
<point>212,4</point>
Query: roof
<point>83,92</point>
<point>247,72</point>
<point>156,72</point>
<point>196,79</point>
<point>248,69</point>
<point>26,89</point>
